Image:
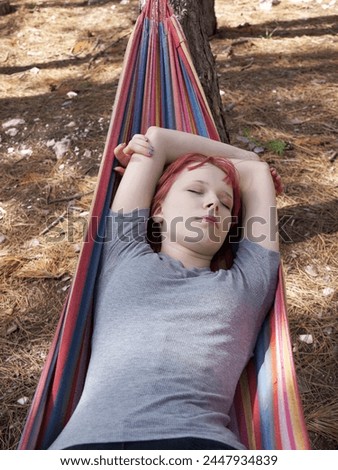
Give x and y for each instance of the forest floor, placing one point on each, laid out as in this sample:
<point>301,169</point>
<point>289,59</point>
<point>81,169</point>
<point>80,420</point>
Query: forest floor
<point>59,67</point>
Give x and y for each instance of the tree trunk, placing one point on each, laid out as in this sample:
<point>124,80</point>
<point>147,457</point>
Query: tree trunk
<point>209,16</point>
<point>198,19</point>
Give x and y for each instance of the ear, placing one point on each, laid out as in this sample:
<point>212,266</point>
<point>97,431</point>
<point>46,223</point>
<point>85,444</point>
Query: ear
<point>158,216</point>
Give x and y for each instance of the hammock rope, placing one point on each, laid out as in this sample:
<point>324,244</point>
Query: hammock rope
<point>159,86</point>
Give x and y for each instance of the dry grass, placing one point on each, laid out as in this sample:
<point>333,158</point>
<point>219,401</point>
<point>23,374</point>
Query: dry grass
<point>278,85</point>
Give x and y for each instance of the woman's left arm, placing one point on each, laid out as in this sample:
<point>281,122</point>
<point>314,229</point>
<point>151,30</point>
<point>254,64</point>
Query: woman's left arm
<point>258,196</point>
<point>175,143</point>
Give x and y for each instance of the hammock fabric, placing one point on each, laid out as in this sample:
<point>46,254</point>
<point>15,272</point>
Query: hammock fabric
<point>159,86</point>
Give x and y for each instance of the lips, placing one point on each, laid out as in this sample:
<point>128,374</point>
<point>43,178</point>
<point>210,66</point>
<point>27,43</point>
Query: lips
<point>210,219</point>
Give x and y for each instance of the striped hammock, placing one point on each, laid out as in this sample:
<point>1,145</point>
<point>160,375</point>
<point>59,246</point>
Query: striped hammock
<point>159,86</point>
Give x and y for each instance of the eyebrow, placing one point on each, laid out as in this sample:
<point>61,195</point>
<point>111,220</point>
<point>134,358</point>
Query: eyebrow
<point>205,183</point>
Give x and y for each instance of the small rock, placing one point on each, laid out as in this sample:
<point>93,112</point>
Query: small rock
<point>26,152</point>
<point>87,153</point>
<point>34,70</point>
<point>308,339</point>
<point>50,143</point>
<point>61,147</point>
<point>328,291</point>
<point>71,124</point>
<point>229,107</point>
<point>258,149</point>
<point>2,212</point>
<point>32,243</point>
<point>71,94</point>
<point>251,146</point>
<point>23,401</point>
<point>311,270</point>
<point>327,330</point>
<point>77,248</point>
<point>13,123</point>
<point>11,150</point>
<point>242,139</point>
<point>296,121</point>
<point>12,132</point>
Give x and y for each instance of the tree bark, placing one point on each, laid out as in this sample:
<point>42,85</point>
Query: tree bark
<point>197,18</point>
<point>209,16</point>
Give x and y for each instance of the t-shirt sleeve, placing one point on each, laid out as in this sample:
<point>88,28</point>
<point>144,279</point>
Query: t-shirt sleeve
<point>255,272</point>
<point>125,236</point>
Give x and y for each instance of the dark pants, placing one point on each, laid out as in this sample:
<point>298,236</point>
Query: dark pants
<point>191,443</point>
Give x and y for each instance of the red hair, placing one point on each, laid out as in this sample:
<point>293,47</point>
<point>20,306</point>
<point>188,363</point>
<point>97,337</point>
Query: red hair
<point>167,180</point>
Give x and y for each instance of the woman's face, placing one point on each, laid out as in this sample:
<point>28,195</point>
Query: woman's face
<point>196,213</point>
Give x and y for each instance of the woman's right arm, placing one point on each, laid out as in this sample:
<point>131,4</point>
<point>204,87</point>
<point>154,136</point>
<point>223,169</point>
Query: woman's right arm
<point>143,170</point>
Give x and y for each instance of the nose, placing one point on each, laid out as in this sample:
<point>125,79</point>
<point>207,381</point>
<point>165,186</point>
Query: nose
<point>212,203</point>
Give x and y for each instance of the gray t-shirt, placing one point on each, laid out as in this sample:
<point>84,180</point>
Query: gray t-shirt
<point>169,343</point>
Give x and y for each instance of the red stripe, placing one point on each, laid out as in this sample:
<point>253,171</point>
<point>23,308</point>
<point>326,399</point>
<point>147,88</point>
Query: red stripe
<point>275,375</point>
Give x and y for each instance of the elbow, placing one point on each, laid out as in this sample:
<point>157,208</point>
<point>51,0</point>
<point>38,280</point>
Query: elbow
<point>262,166</point>
<point>153,132</point>
<point>260,169</point>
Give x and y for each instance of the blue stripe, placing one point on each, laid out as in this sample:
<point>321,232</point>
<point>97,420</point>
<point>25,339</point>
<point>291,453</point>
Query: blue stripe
<point>167,100</point>
<point>196,108</point>
<point>140,74</point>
<point>265,386</point>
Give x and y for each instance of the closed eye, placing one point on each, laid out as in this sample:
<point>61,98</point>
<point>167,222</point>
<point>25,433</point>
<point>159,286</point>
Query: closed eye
<point>193,191</point>
<point>226,205</point>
